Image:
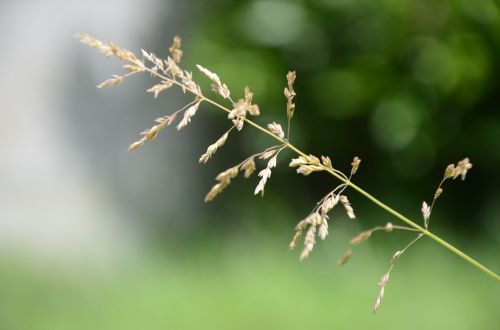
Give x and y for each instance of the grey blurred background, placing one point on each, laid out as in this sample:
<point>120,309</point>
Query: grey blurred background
<point>68,186</point>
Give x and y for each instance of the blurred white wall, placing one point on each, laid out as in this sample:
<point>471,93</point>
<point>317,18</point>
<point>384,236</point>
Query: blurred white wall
<point>65,176</point>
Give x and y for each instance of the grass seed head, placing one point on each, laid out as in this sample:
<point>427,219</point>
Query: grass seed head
<point>426,211</point>
<point>361,237</point>
<point>347,206</point>
<point>345,258</point>
<point>175,49</point>
<point>462,167</point>
<point>217,86</point>
<point>355,164</point>
<point>188,115</point>
<point>248,166</point>
<point>276,129</point>
<point>213,148</point>
<point>383,281</point>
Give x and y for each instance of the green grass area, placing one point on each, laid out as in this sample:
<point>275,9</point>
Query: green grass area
<point>253,284</point>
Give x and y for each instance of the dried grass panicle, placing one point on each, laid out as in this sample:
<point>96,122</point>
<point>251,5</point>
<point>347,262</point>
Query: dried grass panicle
<point>355,165</point>
<point>150,134</point>
<point>161,87</point>
<point>116,80</point>
<point>213,147</point>
<point>109,49</point>
<point>361,237</point>
<point>382,283</point>
<point>175,49</point>
<point>248,166</point>
<point>265,174</point>
<point>345,258</point>
<point>323,227</point>
<point>326,161</point>
<point>295,240</point>
<point>426,213</point>
<point>224,179</point>
<point>276,129</point>
<point>290,93</point>
<point>269,152</point>
<point>217,85</point>
<point>188,115</point>
<point>451,172</point>
<point>169,74</point>
<point>243,106</point>
<point>299,228</point>
<point>309,242</point>
<point>330,201</point>
<point>167,70</point>
<point>313,220</point>
<point>319,216</point>
<point>347,205</point>
<point>364,235</point>
<point>307,164</point>
<point>462,167</point>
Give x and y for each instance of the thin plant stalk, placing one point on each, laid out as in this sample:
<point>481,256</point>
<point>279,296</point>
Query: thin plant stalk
<point>347,182</point>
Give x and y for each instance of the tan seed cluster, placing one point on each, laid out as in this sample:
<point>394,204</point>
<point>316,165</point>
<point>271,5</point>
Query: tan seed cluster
<point>243,106</point>
<point>224,179</point>
<point>265,174</point>
<point>451,172</point>
<point>213,148</point>
<point>161,87</point>
<point>311,223</point>
<point>462,167</point>
<point>150,134</point>
<point>109,49</point>
<point>355,164</point>
<point>383,281</point>
<point>175,49</point>
<point>290,94</point>
<point>188,115</point>
<point>347,205</point>
<point>426,213</point>
<point>217,85</point>
<point>276,129</point>
<point>326,161</point>
<point>248,166</point>
<point>345,258</point>
<point>361,237</point>
<point>318,222</point>
<point>307,164</point>
<point>116,80</point>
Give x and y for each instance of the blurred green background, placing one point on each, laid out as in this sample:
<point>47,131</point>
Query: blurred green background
<point>94,237</point>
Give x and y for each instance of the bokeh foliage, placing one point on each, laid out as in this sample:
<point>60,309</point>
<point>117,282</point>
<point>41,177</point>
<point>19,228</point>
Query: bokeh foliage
<point>409,86</point>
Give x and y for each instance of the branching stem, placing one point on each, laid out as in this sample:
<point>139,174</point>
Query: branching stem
<point>347,182</point>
